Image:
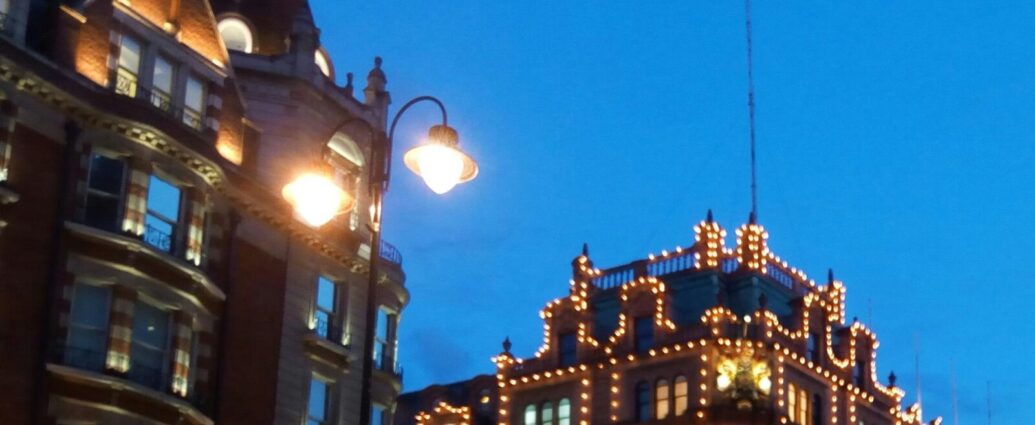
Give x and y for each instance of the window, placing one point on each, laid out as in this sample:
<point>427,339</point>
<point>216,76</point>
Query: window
<point>318,402</point>
<point>564,412</point>
<point>104,192</point>
<point>193,102</point>
<point>129,67</point>
<point>378,416</point>
<point>661,397</point>
<point>384,358</point>
<point>530,414</point>
<point>88,327</point>
<point>812,347</point>
<point>859,374</point>
<point>792,402</point>
<point>681,395</point>
<point>547,413</point>
<point>485,400</point>
<point>150,345</point>
<point>326,309</point>
<point>162,84</point>
<point>236,34</point>
<point>163,213</point>
<point>817,410</point>
<point>643,330</point>
<point>567,343</point>
<point>642,401</point>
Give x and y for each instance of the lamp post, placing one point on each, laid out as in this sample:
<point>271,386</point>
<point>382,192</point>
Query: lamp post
<point>316,200</point>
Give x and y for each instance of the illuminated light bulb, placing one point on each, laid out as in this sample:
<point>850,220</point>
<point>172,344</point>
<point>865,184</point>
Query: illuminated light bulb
<point>765,384</point>
<point>439,162</point>
<point>316,199</point>
<point>722,382</point>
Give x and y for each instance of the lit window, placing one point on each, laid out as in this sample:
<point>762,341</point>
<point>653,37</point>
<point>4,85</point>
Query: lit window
<point>642,402</point>
<point>681,395</point>
<point>564,412</point>
<point>803,406</point>
<point>318,402</point>
<point>88,327</point>
<point>129,67</point>
<point>162,84</point>
<point>530,414</point>
<point>104,192</point>
<point>323,63</point>
<point>326,309</point>
<point>643,331</point>
<point>567,343</point>
<point>547,413</point>
<point>484,400</point>
<point>150,346</point>
<point>193,103</point>
<point>163,213</point>
<point>661,399</point>
<point>236,34</point>
<point>792,402</point>
<point>384,357</point>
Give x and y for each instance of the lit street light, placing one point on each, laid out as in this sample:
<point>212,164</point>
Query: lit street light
<point>316,199</point>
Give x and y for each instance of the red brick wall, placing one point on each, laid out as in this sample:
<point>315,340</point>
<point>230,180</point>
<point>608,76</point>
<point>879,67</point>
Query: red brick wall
<point>26,247</point>
<point>254,314</point>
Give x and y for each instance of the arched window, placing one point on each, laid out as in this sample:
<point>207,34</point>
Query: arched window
<point>642,401</point>
<point>347,176</point>
<point>564,412</point>
<point>530,414</point>
<point>236,34</point>
<point>681,395</point>
<point>323,62</point>
<point>661,399</point>
<point>547,413</point>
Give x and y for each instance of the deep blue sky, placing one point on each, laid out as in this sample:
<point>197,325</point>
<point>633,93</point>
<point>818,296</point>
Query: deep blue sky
<point>895,145</point>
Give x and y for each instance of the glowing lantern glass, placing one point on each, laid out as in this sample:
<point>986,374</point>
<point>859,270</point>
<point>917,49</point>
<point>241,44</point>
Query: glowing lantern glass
<point>440,162</point>
<point>316,198</point>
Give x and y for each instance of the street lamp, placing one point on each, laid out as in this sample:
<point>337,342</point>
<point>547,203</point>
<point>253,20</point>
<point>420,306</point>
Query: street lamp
<point>316,200</point>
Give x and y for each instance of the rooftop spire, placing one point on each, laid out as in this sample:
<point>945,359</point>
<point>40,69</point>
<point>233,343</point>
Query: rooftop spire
<point>751,105</point>
<point>585,249</point>
<point>709,219</point>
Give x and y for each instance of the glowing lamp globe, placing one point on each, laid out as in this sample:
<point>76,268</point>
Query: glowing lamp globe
<point>316,199</point>
<point>440,162</point>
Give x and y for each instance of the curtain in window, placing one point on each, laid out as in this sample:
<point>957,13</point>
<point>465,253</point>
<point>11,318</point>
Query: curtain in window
<point>196,225</point>
<point>136,197</point>
<point>120,334</point>
<point>182,334</point>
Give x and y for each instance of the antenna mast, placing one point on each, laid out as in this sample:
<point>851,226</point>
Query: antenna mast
<point>955,396</point>
<point>751,107</point>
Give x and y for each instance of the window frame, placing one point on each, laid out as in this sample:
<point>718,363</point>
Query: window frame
<point>385,344</point>
<point>642,402</point>
<point>190,117</point>
<point>166,351</point>
<point>662,399</point>
<point>564,411</point>
<point>534,419</point>
<point>119,198</point>
<point>132,78</point>
<point>332,319</point>
<point>326,384</point>
<point>103,330</point>
<point>567,355</point>
<point>160,97</point>
<point>643,341</point>
<point>176,223</point>
<point>678,398</point>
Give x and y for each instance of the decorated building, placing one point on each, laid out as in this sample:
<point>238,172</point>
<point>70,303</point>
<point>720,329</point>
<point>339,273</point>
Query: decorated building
<point>151,270</point>
<point>703,334</point>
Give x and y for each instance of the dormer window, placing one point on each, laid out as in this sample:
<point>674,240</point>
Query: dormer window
<point>236,34</point>
<point>193,103</point>
<point>162,84</point>
<point>128,71</point>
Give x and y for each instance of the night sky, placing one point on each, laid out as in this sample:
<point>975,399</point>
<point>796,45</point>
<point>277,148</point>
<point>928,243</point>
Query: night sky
<point>895,143</point>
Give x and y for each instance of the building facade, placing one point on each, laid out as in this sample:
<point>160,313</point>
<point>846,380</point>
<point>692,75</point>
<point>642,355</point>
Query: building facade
<point>151,270</point>
<point>705,334</point>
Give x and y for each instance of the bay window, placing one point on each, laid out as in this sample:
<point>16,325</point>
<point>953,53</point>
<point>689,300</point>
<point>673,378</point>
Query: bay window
<point>150,346</point>
<point>105,186</point>
<point>164,201</point>
<point>88,327</point>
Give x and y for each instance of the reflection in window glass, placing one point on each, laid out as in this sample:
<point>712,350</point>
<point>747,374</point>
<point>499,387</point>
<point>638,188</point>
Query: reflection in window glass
<point>150,345</point>
<point>129,66</point>
<point>163,213</point>
<point>162,83</point>
<point>326,302</point>
<point>193,102</point>
<point>318,399</point>
<point>236,34</point>
<point>88,327</point>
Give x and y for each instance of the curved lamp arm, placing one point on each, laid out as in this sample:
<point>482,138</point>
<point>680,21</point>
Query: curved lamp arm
<point>387,160</point>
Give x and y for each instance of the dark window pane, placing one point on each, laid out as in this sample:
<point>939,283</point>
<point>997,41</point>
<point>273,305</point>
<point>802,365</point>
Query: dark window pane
<point>642,402</point>
<point>568,344</point>
<point>643,329</point>
<point>102,212</point>
<point>106,174</point>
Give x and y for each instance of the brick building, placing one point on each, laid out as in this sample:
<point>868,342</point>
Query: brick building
<point>703,334</point>
<point>151,270</point>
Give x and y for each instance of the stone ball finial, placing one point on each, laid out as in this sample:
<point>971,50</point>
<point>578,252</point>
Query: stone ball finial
<point>830,276</point>
<point>709,217</point>
<point>506,345</point>
<point>892,379</point>
<point>377,62</point>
